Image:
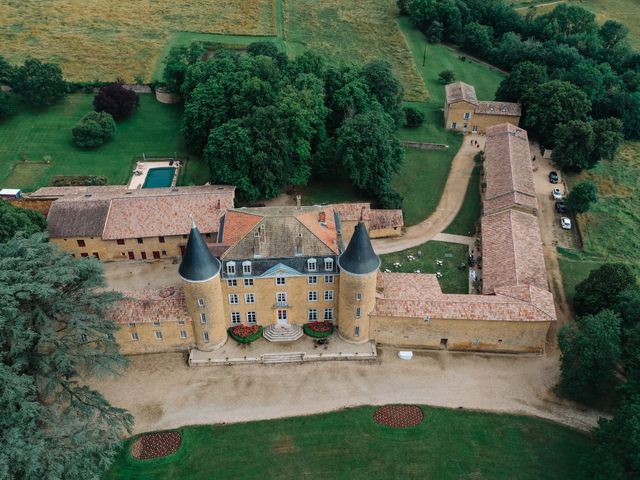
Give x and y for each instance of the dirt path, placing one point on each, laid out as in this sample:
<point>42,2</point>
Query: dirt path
<point>163,392</point>
<point>448,207</point>
<point>551,235</point>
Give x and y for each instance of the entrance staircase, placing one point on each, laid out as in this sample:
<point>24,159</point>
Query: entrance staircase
<point>283,357</point>
<point>282,333</point>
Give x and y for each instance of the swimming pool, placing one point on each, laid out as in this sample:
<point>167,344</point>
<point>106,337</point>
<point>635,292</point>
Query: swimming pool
<point>159,177</point>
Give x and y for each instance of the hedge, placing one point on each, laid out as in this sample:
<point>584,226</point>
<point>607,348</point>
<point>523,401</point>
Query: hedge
<point>77,180</point>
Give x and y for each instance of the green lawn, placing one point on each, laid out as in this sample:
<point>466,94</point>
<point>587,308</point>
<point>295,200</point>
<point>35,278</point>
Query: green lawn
<point>348,444</point>
<point>469,215</point>
<point>452,255</point>
<point>38,135</point>
<point>575,267</point>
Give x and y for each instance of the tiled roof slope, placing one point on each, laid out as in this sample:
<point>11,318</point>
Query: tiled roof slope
<point>77,219</point>
<point>283,228</point>
<point>507,169</point>
<point>499,108</point>
<point>58,192</point>
<point>460,91</point>
<point>146,306</point>
<point>378,219</point>
<point>236,225</point>
<point>512,251</point>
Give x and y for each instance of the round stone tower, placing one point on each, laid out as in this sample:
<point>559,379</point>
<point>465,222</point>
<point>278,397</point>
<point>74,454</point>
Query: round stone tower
<point>358,276</point>
<point>200,272</point>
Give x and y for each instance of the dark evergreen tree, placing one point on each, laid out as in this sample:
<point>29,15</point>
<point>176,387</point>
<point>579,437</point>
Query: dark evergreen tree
<point>19,220</point>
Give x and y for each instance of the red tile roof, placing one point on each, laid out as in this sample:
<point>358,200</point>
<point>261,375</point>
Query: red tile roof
<point>459,92</point>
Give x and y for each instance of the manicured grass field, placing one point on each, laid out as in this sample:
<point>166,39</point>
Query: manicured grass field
<point>469,215</point>
<point>575,267</point>
<point>348,444</point>
<point>453,280</point>
<point>94,39</point>
<point>40,135</point>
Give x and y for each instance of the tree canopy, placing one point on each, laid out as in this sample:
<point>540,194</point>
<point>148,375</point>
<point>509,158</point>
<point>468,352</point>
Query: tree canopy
<point>600,290</point>
<point>117,101</point>
<point>14,220</point>
<point>582,196</point>
<point>94,129</point>
<point>53,329</point>
<point>39,84</point>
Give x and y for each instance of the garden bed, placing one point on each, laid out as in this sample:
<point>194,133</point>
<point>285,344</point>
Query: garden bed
<point>318,329</point>
<point>245,333</point>
<point>398,415</point>
<point>155,445</point>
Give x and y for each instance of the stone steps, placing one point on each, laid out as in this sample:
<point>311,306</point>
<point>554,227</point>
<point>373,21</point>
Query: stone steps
<point>282,333</point>
<point>283,357</point>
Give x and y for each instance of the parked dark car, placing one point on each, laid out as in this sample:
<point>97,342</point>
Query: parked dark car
<point>561,207</point>
<point>553,177</point>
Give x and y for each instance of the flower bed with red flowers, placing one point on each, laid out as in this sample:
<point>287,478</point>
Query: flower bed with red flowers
<point>155,445</point>
<point>245,333</point>
<point>398,415</point>
<point>318,329</point>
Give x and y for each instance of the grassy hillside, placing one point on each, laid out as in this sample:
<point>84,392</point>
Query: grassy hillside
<point>448,444</point>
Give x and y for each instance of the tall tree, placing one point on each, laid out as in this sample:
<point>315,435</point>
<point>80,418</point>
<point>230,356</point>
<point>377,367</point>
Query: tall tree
<point>607,138</point>
<point>14,220</point>
<point>582,196</point>
<point>524,77</point>
<point>627,305</point>
<point>551,104</point>
<point>177,63</point>
<point>53,328</point>
<point>613,33</point>
<point>601,288</point>
<point>40,84</point>
<point>385,87</point>
<point>6,109</point>
<point>116,100</point>
<point>590,353</point>
<point>574,144</point>
<point>7,72</point>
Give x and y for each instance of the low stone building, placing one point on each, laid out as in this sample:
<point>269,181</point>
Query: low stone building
<point>379,223</point>
<point>463,112</point>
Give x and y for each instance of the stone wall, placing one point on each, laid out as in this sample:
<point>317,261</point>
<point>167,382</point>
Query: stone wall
<point>148,342</point>
<point>455,114</point>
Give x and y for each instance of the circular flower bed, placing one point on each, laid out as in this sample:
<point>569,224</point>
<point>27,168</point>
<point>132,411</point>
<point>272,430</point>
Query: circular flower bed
<point>318,329</point>
<point>245,333</point>
<point>399,415</point>
<point>155,445</point>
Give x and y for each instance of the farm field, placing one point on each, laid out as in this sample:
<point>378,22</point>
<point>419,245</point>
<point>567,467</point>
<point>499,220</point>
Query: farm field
<point>423,258</point>
<point>348,444</point>
<point>41,135</point>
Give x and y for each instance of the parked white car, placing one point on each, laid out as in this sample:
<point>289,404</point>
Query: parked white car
<point>556,194</point>
<point>565,223</point>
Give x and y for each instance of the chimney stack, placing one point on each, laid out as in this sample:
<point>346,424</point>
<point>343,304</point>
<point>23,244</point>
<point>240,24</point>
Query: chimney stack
<point>322,217</point>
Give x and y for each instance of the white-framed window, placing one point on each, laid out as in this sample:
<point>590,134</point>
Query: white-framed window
<point>246,268</point>
<point>467,115</point>
<point>232,283</point>
<point>251,317</point>
<point>328,279</point>
<point>233,299</point>
<point>312,315</point>
<point>201,302</point>
<point>358,312</point>
<point>235,317</point>
<point>328,313</point>
<point>205,337</point>
<point>158,334</point>
<point>281,298</point>
<point>248,282</point>
<point>249,298</point>
<point>231,268</point>
<point>180,322</point>
<point>134,336</point>
<point>183,334</point>
<point>356,331</point>
<point>358,296</point>
<point>328,264</point>
<point>328,295</point>
<point>156,324</point>
<point>132,324</point>
<point>283,315</point>
<point>84,338</point>
<point>474,128</point>
<point>203,317</point>
<point>312,280</point>
<point>281,281</point>
<point>312,264</point>
<point>312,296</point>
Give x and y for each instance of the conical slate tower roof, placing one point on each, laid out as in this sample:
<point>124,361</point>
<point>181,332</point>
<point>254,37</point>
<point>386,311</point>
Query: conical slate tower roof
<point>359,257</point>
<point>198,265</point>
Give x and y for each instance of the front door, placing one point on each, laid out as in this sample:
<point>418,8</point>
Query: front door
<point>283,318</point>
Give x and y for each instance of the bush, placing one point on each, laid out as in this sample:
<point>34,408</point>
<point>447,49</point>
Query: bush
<point>39,84</point>
<point>116,100</point>
<point>245,333</point>
<point>582,196</point>
<point>77,180</point>
<point>446,76</point>
<point>93,130</point>
<point>6,109</point>
<point>318,329</point>
<point>412,117</point>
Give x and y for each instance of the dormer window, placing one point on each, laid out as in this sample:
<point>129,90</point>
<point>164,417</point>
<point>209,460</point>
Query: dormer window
<point>328,264</point>
<point>312,265</point>
<point>231,268</point>
<point>246,268</point>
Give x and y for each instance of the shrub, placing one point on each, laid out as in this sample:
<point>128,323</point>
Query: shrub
<point>318,329</point>
<point>582,196</point>
<point>412,117</point>
<point>116,100</point>
<point>6,109</point>
<point>77,180</point>
<point>245,333</point>
<point>446,76</point>
<point>93,130</point>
